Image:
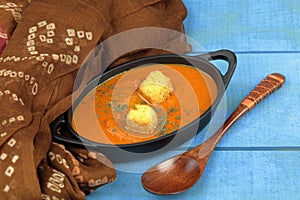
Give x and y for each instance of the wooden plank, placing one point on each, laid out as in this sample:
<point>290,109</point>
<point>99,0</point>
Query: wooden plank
<point>229,175</point>
<point>275,121</point>
<point>265,25</point>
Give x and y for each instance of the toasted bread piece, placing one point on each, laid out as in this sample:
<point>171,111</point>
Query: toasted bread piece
<point>156,88</point>
<point>142,119</point>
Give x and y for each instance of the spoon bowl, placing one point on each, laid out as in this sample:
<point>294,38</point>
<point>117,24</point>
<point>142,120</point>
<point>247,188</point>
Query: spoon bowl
<point>181,172</point>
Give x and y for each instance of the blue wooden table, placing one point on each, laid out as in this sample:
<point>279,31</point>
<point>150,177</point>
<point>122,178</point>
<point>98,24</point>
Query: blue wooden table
<point>259,158</point>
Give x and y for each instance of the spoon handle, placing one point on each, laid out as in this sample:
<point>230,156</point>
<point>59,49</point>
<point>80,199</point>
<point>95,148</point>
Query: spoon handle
<point>262,90</point>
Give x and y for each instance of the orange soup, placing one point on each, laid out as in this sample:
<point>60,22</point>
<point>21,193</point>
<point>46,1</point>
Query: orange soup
<point>94,118</point>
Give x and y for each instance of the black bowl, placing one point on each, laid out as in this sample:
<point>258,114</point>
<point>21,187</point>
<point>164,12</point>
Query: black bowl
<point>63,132</point>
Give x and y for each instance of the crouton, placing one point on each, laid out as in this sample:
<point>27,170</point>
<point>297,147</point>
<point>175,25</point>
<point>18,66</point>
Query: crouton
<point>156,88</point>
<point>141,119</point>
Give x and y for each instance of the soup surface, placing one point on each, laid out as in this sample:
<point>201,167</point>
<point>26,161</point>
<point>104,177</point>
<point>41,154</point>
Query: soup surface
<point>97,116</point>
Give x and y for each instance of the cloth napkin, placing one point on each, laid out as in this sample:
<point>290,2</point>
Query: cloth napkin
<point>49,41</point>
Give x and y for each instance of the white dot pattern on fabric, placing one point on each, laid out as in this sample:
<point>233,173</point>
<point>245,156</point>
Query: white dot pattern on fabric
<point>40,58</point>
<point>68,60</point>
<point>21,101</point>
<point>50,33</point>
<point>30,43</point>
<point>9,121</point>
<point>44,64</point>
<point>12,142</point>
<point>58,159</point>
<point>20,118</point>
<point>15,158</point>
<point>49,40</point>
<point>32,29</point>
<point>56,181</point>
<point>46,36</point>
<point>6,189</point>
<point>50,26</point>
<point>14,9</point>
<point>4,122</point>
<point>9,171</point>
<point>80,34</point>
<point>13,74</point>
<point>33,52</point>
<point>62,57</point>
<point>3,156</point>
<point>31,48</point>
<point>89,35</point>
<point>55,57</point>
<point>75,59</point>
<point>50,68</point>
<point>69,41</point>
<point>42,23</point>
<point>77,48</point>
<point>71,32</point>
<point>42,38</point>
<point>3,134</point>
<point>14,96</point>
<point>31,36</point>
<point>12,119</point>
<point>44,54</point>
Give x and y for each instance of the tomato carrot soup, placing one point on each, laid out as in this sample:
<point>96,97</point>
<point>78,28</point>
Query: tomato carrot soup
<point>97,117</point>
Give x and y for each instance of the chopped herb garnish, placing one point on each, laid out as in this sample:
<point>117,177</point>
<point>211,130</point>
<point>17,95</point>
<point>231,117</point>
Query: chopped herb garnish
<point>173,109</point>
<point>178,117</point>
<point>158,134</point>
<point>162,118</point>
<point>164,131</point>
<point>114,130</point>
<point>112,86</point>
<point>110,104</point>
<point>121,108</point>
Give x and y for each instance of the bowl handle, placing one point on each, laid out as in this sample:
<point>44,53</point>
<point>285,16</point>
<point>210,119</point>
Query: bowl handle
<point>58,126</point>
<point>226,55</point>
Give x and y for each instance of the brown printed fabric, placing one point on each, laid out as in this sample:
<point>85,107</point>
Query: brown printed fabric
<point>48,41</point>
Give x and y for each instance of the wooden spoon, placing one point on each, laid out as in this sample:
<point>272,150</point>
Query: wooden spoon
<point>181,172</point>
